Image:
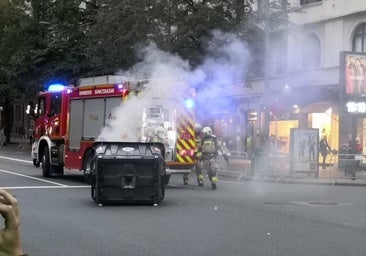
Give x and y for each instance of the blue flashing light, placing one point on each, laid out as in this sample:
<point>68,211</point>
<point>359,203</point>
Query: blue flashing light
<point>189,103</point>
<point>120,86</point>
<point>56,87</point>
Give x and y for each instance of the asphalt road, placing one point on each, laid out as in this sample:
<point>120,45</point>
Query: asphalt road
<point>58,217</point>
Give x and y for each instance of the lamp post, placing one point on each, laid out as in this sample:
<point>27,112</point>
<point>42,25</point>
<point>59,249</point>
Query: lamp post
<point>265,127</point>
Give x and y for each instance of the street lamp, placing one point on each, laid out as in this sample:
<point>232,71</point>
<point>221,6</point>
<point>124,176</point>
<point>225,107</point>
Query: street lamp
<point>266,119</point>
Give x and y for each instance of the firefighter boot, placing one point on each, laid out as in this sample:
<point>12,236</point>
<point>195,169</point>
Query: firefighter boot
<point>213,182</point>
<point>200,180</point>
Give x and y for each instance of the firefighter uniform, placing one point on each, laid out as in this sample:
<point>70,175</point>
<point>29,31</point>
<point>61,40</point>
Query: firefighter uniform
<point>207,153</point>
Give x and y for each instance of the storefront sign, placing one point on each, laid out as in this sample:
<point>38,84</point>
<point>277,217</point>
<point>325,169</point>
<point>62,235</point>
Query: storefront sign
<point>356,107</point>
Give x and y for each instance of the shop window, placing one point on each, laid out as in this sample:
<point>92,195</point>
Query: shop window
<point>311,52</point>
<point>359,39</point>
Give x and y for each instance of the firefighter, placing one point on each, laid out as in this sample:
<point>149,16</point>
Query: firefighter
<point>206,156</point>
<point>159,134</point>
<point>197,132</point>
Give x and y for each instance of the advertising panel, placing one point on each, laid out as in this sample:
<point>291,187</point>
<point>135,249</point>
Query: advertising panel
<point>353,75</point>
<point>304,144</point>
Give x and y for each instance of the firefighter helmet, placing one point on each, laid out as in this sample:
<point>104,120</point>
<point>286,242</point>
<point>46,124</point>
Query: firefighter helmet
<point>197,128</point>
<point>206,131</point>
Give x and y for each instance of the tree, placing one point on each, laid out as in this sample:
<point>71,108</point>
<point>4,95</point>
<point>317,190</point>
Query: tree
<point>178,26</point>
<point>56,43</point>
<point>13,20</point>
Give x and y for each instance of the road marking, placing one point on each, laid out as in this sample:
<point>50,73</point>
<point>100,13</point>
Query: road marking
<point>16,159</point>
<point>48,187</point>
<point>33,178</point>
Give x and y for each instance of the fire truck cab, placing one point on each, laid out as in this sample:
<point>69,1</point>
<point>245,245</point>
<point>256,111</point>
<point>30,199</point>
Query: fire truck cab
<point>69,119</point>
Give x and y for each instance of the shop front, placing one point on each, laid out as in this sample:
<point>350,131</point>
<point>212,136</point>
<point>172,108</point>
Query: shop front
<point>353,100</point>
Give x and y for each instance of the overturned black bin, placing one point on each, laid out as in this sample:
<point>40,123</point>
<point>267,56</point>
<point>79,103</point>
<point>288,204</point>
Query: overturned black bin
<point>128,173</point>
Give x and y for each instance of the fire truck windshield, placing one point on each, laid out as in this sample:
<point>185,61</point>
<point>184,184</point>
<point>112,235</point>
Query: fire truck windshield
<point>56,104</point>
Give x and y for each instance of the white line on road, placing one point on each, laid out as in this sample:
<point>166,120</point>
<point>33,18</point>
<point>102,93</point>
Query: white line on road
<point>33,178</point>
<point>37,187</point>
<point>16,159</point>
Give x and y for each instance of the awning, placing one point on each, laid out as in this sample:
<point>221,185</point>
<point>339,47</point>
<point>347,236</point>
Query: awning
<point>319,107</point>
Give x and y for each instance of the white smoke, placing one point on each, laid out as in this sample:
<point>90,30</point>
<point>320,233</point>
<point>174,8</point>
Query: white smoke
<point>170,76</point>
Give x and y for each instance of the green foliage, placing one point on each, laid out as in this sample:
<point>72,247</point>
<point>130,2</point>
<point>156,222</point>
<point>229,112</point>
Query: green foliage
<point>68,39</point>
<point>178,26</point>
<point>43,40</point>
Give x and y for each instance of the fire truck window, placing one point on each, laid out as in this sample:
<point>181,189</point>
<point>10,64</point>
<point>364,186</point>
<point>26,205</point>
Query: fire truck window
<point>56,105</point>
<point>41,106</point>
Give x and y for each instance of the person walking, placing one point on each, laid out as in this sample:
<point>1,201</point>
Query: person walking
<point>206,156</point>
<point>324,149</point>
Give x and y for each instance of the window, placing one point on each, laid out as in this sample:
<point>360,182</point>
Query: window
<point>41,108</point>
<point>56,104</point>
<point>311,52</point>
<point>359,39</point>
<point>305,2</point>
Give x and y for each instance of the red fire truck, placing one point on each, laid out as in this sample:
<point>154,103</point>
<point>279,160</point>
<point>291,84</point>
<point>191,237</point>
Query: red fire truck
<point>69,119</point>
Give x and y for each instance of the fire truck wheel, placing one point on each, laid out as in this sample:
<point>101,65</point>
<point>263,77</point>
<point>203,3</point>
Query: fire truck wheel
<point>87,163</point>
<point>46,165</point>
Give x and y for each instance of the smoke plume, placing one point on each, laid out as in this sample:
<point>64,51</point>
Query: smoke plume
<point>169,76</point>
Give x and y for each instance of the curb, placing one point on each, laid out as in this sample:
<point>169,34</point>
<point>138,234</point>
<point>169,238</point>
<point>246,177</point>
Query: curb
<point>290,180</point>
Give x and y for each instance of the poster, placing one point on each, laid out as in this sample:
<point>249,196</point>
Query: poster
<point>353,74</point>
<point>304,144</point>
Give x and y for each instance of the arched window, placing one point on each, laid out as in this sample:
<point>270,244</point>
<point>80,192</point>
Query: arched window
<point>359,39</point>
<point>311,52</point>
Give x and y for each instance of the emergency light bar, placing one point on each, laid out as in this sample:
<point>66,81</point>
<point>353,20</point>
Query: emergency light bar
<point>189,103</point>
<point>56,87</point>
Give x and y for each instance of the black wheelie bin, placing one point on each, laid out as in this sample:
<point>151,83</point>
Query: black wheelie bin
<point>128,173</point>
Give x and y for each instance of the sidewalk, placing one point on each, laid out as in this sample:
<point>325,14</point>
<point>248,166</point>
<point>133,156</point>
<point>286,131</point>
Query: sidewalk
<point>20,143</point>
<point>240,169</point>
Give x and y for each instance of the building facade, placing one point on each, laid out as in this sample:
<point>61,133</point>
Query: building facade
<point>316,75</point>
<point>326,67</point>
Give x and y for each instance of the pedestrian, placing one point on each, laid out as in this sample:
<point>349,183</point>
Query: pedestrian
<point>351,163</point>
<point>324,149</point>
<point>207,154</point>
<point>358,146</point>
<point>10,242</point>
